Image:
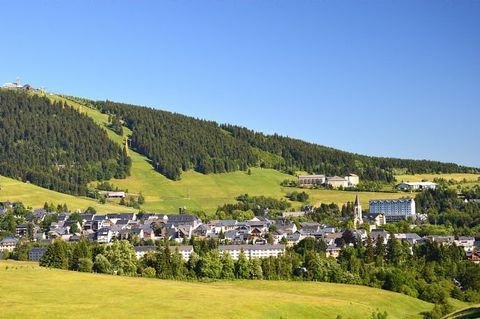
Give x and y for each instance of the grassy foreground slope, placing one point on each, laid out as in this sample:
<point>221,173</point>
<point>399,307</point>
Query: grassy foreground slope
<point>28,291</point>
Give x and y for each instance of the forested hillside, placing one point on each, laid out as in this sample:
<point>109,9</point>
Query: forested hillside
<point>176,143</point>
<point>300,155</point>
<point>54,146</point>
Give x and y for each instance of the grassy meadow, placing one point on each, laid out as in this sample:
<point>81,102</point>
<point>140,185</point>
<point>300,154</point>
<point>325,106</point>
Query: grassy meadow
<point>35,196</point>
<point>29,291</point>
<point>459,177</point>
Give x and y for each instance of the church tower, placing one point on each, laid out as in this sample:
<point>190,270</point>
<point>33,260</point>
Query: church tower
<point>357,212</point>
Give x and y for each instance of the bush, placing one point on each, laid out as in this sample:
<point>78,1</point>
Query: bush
<point>102,265</point>
<point>85,265</point>
<point>149,272</point>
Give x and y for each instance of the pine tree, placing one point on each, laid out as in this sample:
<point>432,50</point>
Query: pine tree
<point>242,267</point>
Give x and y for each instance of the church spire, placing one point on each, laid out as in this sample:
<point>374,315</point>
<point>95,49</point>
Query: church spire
<point>357,200</point>
<point>357,212</point>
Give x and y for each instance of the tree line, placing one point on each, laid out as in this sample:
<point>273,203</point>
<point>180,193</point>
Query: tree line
<point>304,156</point>
<point>176,143</point>
<point>52,145</point>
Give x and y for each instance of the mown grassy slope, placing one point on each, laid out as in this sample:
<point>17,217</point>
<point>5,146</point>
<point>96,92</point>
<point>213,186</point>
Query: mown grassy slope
<point>35,196</point>
<point>28,291</point>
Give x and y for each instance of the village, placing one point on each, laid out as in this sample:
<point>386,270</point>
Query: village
<point>259,237</point>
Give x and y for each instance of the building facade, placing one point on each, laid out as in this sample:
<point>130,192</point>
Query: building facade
<point>394,209</point>
<point>337,182</point>
<point>252,251</point>
<point>417,186</point>
<point>352,180</point>
<point>308,180</point>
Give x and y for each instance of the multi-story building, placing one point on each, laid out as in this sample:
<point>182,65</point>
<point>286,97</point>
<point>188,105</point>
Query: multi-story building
<point>185,251</point>
<point>252,251</point>
<point>305,180</point>
<point>394,209</point>
<point>36,253</point>
<point>337,181</point>
<point>352,180</point>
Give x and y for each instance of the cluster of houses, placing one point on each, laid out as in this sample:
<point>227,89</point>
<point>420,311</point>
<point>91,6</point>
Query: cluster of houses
<point>249,236</point>
<point>258,237</point>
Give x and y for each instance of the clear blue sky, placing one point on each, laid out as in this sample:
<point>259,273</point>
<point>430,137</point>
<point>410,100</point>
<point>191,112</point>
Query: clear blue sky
<point>388,78</point>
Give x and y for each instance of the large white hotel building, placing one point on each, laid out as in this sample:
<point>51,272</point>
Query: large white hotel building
<point>393,209</point>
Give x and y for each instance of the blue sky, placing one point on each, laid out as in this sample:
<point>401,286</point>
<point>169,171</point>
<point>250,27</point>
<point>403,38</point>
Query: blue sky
<point>387,78</point>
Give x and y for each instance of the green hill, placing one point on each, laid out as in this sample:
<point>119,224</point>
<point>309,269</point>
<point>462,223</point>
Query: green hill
<point>29,291</point>
<point>198,191</point>
<point>176,143</point>
<point>195,190</point>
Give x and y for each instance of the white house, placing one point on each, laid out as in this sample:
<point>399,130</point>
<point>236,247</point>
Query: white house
<point>104,235</point>
<point>293,214</point>
<point>416,186</point>
<point>116,194</point>
<point>467,243</point>
<point>185,250</point>
<point>8,244</point>
<point>352,180</point>
<point>141,251</point>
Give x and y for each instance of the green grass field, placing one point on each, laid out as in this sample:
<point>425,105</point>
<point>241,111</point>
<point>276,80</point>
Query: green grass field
<point>35,196</point>
<point>28,291</point>
<point>430,177</point>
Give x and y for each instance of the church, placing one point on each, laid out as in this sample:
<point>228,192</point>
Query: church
<point>375,219</point>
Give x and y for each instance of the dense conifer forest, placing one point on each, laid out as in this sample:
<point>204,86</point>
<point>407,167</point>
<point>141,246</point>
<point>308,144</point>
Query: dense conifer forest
<point>54,146</point>
<point>176,143</point>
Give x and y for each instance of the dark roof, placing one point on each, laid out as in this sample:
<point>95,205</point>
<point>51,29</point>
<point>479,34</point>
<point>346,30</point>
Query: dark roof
<point>38,250</point>
<point>145,248</point>
<point>9,240</point>
<point>126,216</point>
<point>182,218</point>
<point>86,217</point>
<point>136,230</point>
